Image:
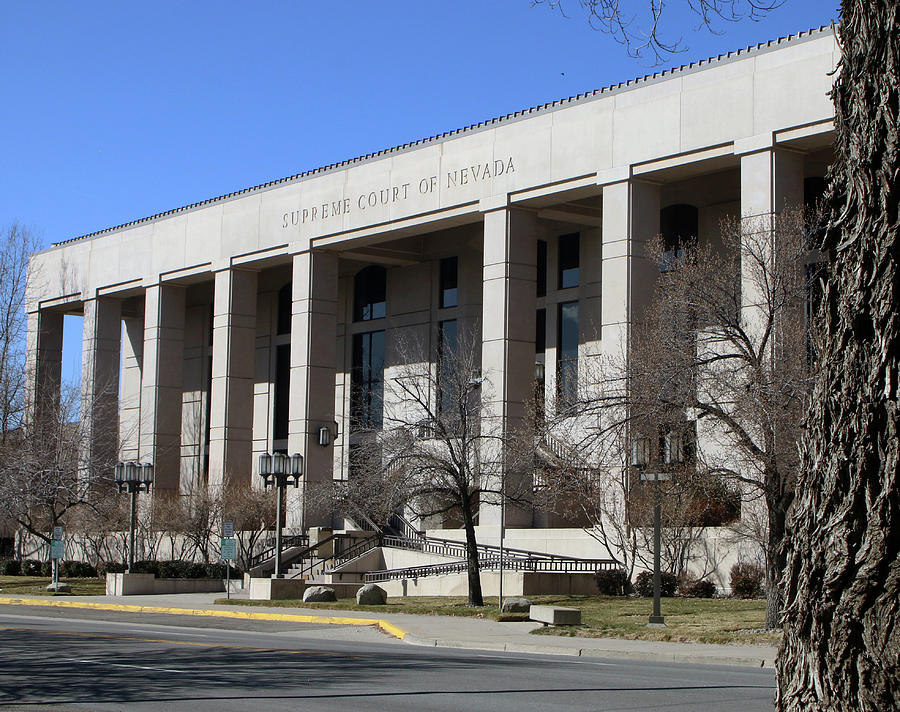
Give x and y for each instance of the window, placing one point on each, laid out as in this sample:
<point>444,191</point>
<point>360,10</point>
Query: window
<point>285,310</point>
<point>542,268</point>
<point>367,381</point>
<point>282,391</point>
<point>678,225</point>
<point>567,353</point>
<point>540,331</point>
<point>448,341</point>
<point>369,290</point>
<point>449,269</point>
<point>568,260</point>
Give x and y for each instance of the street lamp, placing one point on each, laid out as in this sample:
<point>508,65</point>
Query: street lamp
<point>133,477</point>
<point>657,618</point>
<point>276,469</point>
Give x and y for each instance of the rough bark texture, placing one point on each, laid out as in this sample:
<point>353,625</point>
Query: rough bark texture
<point>842,580</point>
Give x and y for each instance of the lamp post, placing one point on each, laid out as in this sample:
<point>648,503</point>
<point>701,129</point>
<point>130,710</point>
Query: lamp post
<point>276,469</point>
<point>133,477</point>
<point>640,458</point>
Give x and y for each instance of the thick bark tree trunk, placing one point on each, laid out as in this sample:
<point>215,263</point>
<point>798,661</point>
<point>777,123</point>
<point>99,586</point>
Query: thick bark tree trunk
<point>775,560</point>
<point>475,596</point>
<point>841,650</point>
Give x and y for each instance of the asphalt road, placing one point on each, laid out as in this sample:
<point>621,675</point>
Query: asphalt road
<point>66,660</point>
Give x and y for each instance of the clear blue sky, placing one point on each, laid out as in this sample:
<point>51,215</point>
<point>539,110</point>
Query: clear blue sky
<point>115,111</point>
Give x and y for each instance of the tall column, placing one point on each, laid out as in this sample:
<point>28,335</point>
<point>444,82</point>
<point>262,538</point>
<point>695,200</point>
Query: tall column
<point>507,340</point>
<point>44,366</point>
<point>630,219</point>
<point>162,383</point>
<point>313,360</point>
<point>100,357</point>
<point>130,397</point>
<point>233,361</point>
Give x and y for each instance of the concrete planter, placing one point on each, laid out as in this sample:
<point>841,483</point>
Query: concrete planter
<point>148,584</point>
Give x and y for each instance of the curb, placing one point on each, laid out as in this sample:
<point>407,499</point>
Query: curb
<point>383,625</point>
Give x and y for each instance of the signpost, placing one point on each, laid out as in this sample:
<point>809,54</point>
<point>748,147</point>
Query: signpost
<point>229,554</point>
<point>57,552</point>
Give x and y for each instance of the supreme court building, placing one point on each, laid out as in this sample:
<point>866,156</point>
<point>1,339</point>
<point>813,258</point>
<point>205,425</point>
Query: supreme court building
<point>250,322</point>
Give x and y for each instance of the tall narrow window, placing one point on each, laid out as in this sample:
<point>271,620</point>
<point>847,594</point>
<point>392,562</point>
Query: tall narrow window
<point>449,269</point>
<point>569,260</point>
<point>367,381</point>
<point>567,353</point>
<point>369,293</point>
<point>282,391</point>
<point>285,309</point>
<point>542,268</point>
<point>448,341</point>
<point>678,224</point>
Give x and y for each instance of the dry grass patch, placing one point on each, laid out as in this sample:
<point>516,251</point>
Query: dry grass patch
<point>37,586</point>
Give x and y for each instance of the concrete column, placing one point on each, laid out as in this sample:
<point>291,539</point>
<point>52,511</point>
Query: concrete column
<point>630,219</point>
<point>313,360</point>
<point>100,358</point>
<point>130,396</point>
<point>233,361</point>
<point>507,338</point>
<point>44,365</point>
<point>162,379</point>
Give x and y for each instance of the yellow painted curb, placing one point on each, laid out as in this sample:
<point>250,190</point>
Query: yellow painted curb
<point>387,627</point>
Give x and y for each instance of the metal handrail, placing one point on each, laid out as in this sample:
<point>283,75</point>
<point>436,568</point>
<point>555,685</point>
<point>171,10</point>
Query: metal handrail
<point>567,566</point>
<point>354,551</point>
<point>321,561</point>
<point>452,548</point>
<point>269,552</point>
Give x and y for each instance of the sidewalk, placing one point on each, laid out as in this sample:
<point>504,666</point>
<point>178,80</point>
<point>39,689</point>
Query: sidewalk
<point>440,631</point>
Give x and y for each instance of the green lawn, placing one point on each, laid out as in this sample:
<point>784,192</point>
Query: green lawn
<point>37,586</point>
<point>716,620</point>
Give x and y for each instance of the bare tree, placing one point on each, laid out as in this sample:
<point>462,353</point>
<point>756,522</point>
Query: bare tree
<point>253,512</point>
<point>434,453</point>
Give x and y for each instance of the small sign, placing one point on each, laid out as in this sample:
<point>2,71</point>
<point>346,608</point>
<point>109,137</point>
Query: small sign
<point>57,532</point>
<point>57,549</point>
<point>229,549</point>
<point>228,528</point>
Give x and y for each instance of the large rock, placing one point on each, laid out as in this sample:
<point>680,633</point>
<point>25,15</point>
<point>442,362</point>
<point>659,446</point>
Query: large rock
<point>60,587</point>
<point>319,594</point>
<point>515,605</point>
<point>371,595</point>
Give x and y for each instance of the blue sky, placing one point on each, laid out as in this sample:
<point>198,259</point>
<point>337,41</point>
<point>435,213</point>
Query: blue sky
<point>115,111</point>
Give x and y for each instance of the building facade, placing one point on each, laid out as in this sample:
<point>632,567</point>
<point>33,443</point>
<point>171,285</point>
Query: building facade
<point>268,319</point>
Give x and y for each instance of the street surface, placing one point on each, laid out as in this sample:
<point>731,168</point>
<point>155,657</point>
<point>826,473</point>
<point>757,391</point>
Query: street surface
<point>65,659</point>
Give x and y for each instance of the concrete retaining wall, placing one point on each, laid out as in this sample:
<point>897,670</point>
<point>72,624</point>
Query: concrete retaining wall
<point>143,584</point>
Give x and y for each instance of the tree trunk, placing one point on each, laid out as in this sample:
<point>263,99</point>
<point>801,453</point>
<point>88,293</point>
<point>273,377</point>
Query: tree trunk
<point>775,560</point>
<point>841,648</point>
<point>475,596</point>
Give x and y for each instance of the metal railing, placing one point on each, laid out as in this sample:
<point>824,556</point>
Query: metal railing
<point>342,553</point>
<point>561,566</point>
<point>287,542</point>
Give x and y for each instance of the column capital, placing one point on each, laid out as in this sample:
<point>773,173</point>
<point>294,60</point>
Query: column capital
<point>494,202</point>
<point>608,176</point>
<point>754,144</point>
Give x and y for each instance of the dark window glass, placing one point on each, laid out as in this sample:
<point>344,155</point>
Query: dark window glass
<point>568,260</point>
<point>449,268</point>
<point>678,225</point>
<point>367,380</point>
<point>285,307</point>
<point>282,391</point>
<point>540,331</point>
<point>567,353</point>
<point>542,268</point>
<point>448,341</point>
<point>813,195</point>
<point>369,290</point>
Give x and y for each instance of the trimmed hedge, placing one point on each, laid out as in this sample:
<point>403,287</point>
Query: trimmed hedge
<point>668,584</point>
<point>31,567</point>
<point>183,569</point>
<point>10,567</point>
<point>612,582</point>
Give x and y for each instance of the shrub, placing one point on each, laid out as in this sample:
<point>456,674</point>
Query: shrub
<point>697,588</point>
<point>146,567</point>
<point>110,567</point>
<point>612,582</point>
<point>46,568</point>
<point>747,579</point>
<point>218,571</point>
<point>10,567</point>
<point>76,569</point>
<point>31,567</point>
<point>668,584</point>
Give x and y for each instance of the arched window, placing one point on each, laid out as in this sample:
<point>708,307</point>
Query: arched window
<point>369,290</point>
<point>285,296</point>
<point>678,224</point>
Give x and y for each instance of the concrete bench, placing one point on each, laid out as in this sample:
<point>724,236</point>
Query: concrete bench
<point>555,615</point>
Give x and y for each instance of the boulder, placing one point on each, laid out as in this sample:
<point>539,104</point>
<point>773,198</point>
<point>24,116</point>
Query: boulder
<point>371,595</point>
<point>319,594</point>
<point>515,605</point>
<point>59,588</point>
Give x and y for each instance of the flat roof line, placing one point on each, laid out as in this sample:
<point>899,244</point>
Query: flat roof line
<point>488,123</point>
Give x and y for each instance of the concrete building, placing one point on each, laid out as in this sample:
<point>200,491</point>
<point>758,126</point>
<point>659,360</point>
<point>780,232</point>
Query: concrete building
<point>238,323</point>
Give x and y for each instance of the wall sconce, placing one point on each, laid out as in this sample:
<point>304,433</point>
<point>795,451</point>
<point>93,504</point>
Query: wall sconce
<point>324,436</point>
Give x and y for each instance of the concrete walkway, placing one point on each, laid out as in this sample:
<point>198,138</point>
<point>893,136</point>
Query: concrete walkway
<point>441,631</point>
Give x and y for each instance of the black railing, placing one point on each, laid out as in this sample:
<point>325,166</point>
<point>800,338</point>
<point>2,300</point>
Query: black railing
<point>287,542</point>
<point>339,552</point>
<point>561,566</point>
<point>457,549</point>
